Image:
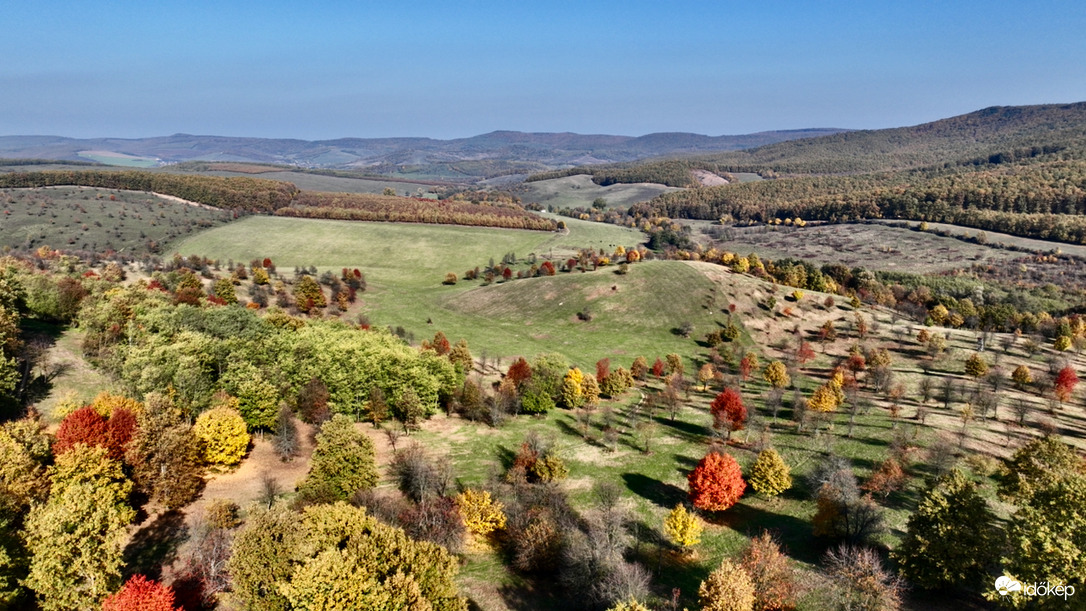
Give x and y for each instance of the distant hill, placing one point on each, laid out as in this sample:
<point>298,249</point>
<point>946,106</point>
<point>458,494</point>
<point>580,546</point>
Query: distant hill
<point>483,156</point>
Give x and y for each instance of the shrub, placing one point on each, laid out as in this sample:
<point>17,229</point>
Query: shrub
<point>481,514</point>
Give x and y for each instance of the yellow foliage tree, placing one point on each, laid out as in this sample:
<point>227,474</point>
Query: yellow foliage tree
<point>223,435</point>
<point>481,514</point>
<point>105,403</point>
<point>776,374</point>
<point>728,588</point>
<point>683,528</point>
<point>823,399</point>
<point>770,475</point>
<point>1062,343</point>
<point>573,388</point>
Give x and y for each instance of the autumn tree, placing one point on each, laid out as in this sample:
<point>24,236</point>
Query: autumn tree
<point>482,515</point>
<point>141,594</point>
<point>222,434</point>
<point>1021,377</point>
<point>776,374</point>
<point>975,366</point>
<point>519,372</point>
<point>728,411</point>
<point>716,483</point>
<point>658,368</point>
<point>862,581</point>
<point>728,588</point>
<point>77,537</point>
<point>683,528</point>
<point>639,367</point>
<point>674,364</point>
<point>312,401</point>
<point>771,572</point>
<point>83,426</point>
<point>804,353</point>
<point>572,391</point>
<point>888,478</point>
<point>949,536</point>
<point>165,455</point>
<point>308,295</point>
<point>223,288</point>
<point>343,462</point>
<point>376,407</point>
<point>770,475</point>
<point>591,391</point>
<point>1064,385</point>
<point>460,357</point>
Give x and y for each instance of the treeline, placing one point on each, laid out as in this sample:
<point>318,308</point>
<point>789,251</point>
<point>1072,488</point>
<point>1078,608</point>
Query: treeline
<point>1043,201</point>
<point>670,172</point>
<point>368,207</point>
<point>22,162</point>
<point>234,193</point>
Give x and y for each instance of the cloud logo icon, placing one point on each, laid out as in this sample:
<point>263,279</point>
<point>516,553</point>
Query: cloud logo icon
<point>1005,585</point>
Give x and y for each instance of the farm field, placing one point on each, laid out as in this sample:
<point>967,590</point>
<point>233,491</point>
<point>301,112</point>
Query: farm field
<point>579,191</point>
<point>869,245</point>
<point>336,184</point>
<point>80,218</point>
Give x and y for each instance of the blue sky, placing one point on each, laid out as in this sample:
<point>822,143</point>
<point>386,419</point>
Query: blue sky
<point>452,69</point>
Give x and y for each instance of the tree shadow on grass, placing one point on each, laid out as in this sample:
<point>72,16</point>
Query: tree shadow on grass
<point>654,490</point>
<point>795,535</point>
<point>693,433</point>
<point>155,545</point>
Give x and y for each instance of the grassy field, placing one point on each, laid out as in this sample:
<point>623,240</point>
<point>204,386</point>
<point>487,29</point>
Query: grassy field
<point>337,184</point>
<point>633,314</point>
<point>97,219</point>
<point>580,191</point>
<point>119,159</point>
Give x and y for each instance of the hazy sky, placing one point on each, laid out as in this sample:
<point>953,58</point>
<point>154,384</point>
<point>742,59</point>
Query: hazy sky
<point>318,70</point>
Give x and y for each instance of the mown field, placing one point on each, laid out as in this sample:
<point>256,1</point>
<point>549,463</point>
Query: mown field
<point>79,218</point>
<point>580,191</point>
<point>406,263</point>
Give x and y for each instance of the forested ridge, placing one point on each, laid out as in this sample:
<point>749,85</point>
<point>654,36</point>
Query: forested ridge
<point>243,193</point>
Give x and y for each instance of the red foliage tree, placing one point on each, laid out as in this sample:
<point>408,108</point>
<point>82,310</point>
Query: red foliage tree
<point>507,273</point>
<point>603,369</point>
<point>805,353</point>
<point>658,368</point>
<point>1066,380</point>
<point>519,372</point>
<point>441,343</point>
<point>547,269</point>
<point>716,483</point>
<point>88,427</point>
<point>856,362</point>
<point>85,426</point>
<point>266,263</point>
<point>121,426</point>
<point>728,411</point>
<point>746,366</point>
<point>141,594</point>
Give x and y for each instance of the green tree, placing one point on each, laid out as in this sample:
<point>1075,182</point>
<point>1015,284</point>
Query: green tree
<point>949,536</point>
<point>224,289</point>
<point>770,475</point>
<point>76,538</point>
<point>258,398</point>
<point>343,462</point>
<point>337,557</point>
<point>1040,463</point>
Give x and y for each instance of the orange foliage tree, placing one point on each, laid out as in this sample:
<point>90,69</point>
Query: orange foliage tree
<point>716,483</point>
<point>86,426</point>
<point>141,594</point>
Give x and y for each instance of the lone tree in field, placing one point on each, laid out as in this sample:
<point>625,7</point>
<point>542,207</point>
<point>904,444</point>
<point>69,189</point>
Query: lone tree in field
<point>1021,377</point>
<point>716,483</point>
<point>728,411</point>
<point>770,475</point>
<point>728,588</point>
<point>776,374</point>
<point>683,528</point>
<point>1065,383</point>
<point>976,367</point>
